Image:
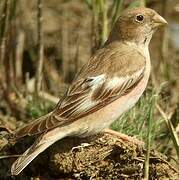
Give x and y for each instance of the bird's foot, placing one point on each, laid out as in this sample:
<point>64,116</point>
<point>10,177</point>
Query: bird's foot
<point>124,137</point>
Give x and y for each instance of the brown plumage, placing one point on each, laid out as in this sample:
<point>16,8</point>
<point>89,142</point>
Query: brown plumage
<point>80,88</point>
<point>110,83</point>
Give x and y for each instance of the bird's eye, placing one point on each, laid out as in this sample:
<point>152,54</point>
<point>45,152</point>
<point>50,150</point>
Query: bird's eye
<point>139,18</point>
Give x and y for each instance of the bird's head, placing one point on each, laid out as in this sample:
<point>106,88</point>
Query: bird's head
<point>136,25</point>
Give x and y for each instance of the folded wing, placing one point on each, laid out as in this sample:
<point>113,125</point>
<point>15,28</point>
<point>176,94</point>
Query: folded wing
<point>93,90</point>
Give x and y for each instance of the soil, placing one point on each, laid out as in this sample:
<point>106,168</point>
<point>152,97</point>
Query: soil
<point>104,156</point>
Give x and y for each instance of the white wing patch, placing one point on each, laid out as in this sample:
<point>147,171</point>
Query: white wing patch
<point>94,84</point>
<point>116,81</point>
<point>96,81</point>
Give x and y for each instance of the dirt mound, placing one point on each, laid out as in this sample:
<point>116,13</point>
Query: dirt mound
<point>97,157</point>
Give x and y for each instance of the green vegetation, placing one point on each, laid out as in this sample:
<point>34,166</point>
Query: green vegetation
<point>135,121</point>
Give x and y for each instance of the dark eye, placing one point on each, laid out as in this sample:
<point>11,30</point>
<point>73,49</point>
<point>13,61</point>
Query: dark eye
<point>140,18</point>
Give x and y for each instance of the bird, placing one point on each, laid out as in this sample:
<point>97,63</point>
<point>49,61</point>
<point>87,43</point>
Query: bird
<point>109,84</point>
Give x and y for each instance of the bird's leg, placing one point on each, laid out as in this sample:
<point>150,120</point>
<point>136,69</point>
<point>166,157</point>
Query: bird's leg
<point>124,137</point>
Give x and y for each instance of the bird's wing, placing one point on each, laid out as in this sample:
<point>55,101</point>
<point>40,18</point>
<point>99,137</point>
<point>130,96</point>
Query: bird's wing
<point>92,90</point>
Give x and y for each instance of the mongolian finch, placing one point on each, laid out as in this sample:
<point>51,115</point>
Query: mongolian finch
<point>110,83</point>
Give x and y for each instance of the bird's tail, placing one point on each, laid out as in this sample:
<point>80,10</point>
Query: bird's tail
<point>42,143</point>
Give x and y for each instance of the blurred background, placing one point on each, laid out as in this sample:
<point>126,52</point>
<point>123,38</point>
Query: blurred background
<point>43,43</point>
